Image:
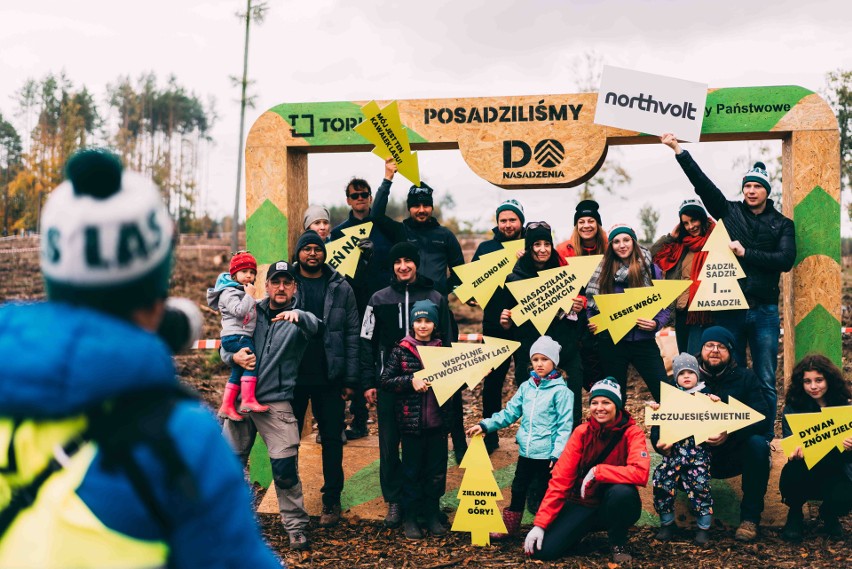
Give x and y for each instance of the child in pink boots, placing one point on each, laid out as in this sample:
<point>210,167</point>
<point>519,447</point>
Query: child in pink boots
<point>233,297</point>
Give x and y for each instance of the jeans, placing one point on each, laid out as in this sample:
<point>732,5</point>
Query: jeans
<point>328,409</point>
<point>234,344</point>
<point>688,335</point>
<point>749,456</point>
<point>759,327</point>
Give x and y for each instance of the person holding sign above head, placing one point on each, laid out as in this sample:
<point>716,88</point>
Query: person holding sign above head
<point>765,243</point>
<point>680,257</point>
<point>816,384</point>
<point>543,404</point>
<point>594,485</point>
<point>423,424</point>
<point>539,256</point>
<point>745,451</point>
<point>510,227</point>
<point>626,264</point>
<point>387,320</point>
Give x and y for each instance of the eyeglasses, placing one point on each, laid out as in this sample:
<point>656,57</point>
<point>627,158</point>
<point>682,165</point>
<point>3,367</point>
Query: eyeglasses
<point>359,195</point>
<point>420,190</point>
<point>714,347</point>
<point>537,224</point>
<point>312,250</point>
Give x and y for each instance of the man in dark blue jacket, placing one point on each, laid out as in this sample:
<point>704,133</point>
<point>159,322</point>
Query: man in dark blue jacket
<point>765,243</point>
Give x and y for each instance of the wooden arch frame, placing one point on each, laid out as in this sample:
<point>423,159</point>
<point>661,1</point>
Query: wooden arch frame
<point>551,141</point>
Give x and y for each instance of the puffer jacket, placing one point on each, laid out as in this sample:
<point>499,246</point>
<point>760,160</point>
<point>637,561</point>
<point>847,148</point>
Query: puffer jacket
<point>238,309</point>
<point>412,408</point>
<point>545,414</point>
<point>769,238</point>
<point>491,311</point>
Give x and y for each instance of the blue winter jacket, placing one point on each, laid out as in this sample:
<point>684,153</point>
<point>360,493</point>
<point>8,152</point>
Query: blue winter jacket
<point>61,360</point>
<point>545,411</point>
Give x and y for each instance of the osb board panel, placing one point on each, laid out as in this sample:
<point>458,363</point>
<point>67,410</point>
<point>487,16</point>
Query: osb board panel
<point>816,281</point>
<point>810,159</point>
<point>811,113</point>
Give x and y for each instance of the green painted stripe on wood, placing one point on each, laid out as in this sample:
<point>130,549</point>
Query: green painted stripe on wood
<point>328,124</point>
<point>260,470</point>
<point>266,234</point>
<point>749,109</point>
<point>819,333</point>
<point>817,219</point>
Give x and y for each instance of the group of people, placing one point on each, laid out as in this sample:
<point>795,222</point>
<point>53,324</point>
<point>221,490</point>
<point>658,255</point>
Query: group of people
<point>175,492</point>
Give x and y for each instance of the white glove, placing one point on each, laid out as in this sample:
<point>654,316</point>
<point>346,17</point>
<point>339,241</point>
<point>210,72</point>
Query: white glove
<point>533,541</point>
<point>586,481</point>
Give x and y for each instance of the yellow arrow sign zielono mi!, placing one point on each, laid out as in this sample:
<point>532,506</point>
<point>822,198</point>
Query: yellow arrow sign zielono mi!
<point>682,415</point>
<point>818,433</point>
<point>481,278</point>
<point>383,127</point>
<point>619,311</point>
<point>447,369</point>
<point>343,254</point>
<point>540,299</point>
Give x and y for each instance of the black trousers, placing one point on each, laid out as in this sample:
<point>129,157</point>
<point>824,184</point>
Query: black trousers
<point>619,509</point>
<point>390,466</point>
<point>643,354</point>
<point>328,409</point>
<point>424,471</point>
<point>529,473</point>
<point>826,481</point>
<point>492,395</point>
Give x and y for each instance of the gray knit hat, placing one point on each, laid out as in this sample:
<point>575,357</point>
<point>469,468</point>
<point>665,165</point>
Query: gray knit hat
<point>314,213</point>
<point>547,346</point>
<point>683,362</point>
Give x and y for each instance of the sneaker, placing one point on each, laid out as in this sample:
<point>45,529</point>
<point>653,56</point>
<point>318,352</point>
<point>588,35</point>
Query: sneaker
<point>330,516</point>
<point>620,554</point>
<point>747,531</point>
<point>411,529</point>
<point>355,433</point>
<point>299,541</point>
<point>794,529</point>
<point>394,515</point>
<point>702,537</point>
<point>666,533</point>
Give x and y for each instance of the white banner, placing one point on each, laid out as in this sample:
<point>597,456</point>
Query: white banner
<point>653,104</point>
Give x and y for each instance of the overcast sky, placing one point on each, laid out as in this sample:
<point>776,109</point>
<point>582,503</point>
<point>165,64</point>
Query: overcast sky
<point>336,50</point>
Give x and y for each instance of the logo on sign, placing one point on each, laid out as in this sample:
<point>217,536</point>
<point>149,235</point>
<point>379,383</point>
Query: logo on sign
<point>548,153</point>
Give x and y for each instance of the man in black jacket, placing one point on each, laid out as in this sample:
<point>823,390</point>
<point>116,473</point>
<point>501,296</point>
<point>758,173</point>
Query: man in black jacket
<point>510,227</point>
<point>328,372</point>
<point>765,243</point>
<point>386,322</point>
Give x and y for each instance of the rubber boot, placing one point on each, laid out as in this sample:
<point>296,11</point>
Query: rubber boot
<point>249,403</point>
<point>513,525</point>
<point>227,409</point>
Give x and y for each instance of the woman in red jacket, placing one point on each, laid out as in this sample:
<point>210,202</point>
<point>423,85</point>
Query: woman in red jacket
<point>594,483</point>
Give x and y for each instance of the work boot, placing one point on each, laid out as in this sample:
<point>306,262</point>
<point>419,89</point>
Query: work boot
<point>394,515</point>
<point>795,527</point>
<point>330,515</point>
<point>299,540</point>
<point>666,533</point>
<point>620,554</point>
<point>513,525</point>
<point>747,531</point>
<point>249,403</point>
<point>411,528</point>
<point>227,409</point>
<point>702,537</point>
<point>434,525</point>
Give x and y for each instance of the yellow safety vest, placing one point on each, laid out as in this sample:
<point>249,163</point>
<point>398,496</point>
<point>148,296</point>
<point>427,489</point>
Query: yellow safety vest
<point>59,530</point>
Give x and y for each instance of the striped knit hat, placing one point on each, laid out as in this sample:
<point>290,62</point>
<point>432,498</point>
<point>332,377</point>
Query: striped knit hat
<point>758,174</point>
<point>609,388</point>
<point>620,228</point>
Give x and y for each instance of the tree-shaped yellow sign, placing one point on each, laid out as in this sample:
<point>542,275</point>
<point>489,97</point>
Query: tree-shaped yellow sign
<point>481,278</point>
<point>619,311</point>
<point>343,254</point>
<point>446,369</point>
<point>540,299</point>
<point>718,288</point>
<point>478,496</point>
<point>818,433</point>
<point>383,127</point>
<point>682,415</point>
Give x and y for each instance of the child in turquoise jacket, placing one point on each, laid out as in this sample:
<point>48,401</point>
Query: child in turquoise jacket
<point>544,405</point>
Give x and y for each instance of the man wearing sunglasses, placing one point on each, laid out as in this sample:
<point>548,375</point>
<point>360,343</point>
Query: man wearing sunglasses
<point>744,452</point>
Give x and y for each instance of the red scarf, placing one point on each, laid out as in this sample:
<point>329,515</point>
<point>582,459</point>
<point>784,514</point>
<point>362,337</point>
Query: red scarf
<point>595,439</point>
<point>668,257</point>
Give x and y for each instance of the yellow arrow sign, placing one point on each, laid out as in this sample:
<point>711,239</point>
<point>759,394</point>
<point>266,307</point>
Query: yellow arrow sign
<point>619,311</point>
<point>447,369</point>
<point>718,288</point>
<point>818,433</point>
<point>478,496</point>
<point>540,299</point>
<point>383,127</point>
<point>343,254</point>
<point>682,415</point>
<point>481,278</point>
